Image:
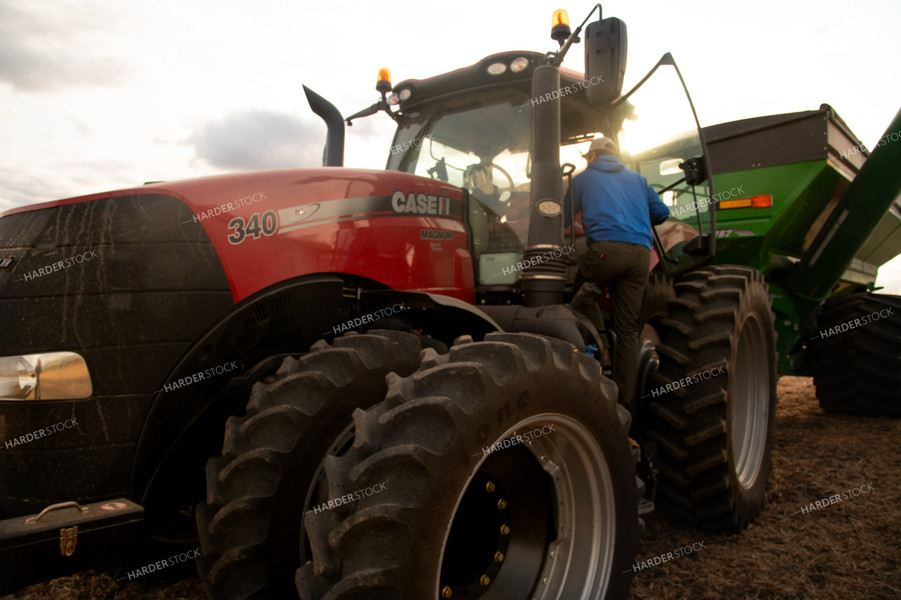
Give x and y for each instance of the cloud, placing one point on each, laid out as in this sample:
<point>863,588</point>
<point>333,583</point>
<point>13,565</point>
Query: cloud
<point>56,180</point>
<point>47,49</point>
<point>20,189</point>
<point>260,139</point>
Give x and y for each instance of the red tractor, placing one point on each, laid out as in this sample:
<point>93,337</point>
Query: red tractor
<point>402,389</point>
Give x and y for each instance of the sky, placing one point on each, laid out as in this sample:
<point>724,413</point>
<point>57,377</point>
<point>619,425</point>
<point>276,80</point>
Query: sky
<point>99,95</point>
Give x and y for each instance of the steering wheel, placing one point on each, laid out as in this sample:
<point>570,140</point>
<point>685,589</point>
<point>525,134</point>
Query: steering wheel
<point>504,194</point>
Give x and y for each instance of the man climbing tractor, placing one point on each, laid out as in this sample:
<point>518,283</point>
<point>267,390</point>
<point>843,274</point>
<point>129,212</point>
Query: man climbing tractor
<point>618,207</point>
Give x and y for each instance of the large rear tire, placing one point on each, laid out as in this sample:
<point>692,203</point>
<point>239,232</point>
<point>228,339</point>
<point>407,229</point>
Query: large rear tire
<point>857,356</point>
<point>250,526</point>
<point>504,472</point>
<point>713,424</point>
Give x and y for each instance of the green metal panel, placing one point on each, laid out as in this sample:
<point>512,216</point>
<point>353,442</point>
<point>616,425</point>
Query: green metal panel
<point>801,193</point>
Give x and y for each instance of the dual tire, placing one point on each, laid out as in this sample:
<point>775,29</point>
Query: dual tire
<point>711,406</point>
<point>856,356</point>
<point>499,470</point>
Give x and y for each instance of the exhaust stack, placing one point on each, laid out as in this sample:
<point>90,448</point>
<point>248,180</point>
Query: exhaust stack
<point>333,155</point>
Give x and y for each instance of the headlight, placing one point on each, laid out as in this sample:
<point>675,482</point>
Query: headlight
<point>519,64</point>
<point>47,376</point>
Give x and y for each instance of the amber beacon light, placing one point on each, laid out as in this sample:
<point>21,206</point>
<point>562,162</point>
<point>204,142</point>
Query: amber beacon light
<point>383,85</point>
<point>560,26</point>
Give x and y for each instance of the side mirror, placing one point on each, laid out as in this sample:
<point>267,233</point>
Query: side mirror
<point>695,170</point>
<point>605,59</point>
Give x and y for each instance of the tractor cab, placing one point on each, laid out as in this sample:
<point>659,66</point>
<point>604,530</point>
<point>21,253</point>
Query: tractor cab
<point>472,128</point>
<point>511,129</point>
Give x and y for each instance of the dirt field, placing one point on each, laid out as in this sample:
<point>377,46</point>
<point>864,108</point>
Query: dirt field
<point>849,549</point>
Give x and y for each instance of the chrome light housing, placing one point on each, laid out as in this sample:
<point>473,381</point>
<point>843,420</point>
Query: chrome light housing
<point>45,376</point>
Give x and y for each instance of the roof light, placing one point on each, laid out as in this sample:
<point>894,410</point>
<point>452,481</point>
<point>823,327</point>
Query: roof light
<point>383,84</point>
<point>519,64</point>
<point>560,26</point>
<point>496,68</point>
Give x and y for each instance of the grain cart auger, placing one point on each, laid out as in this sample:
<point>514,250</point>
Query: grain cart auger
<point>403,391</point>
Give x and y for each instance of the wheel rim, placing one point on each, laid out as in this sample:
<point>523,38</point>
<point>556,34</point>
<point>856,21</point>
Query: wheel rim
<point>750,402</point>
<point>555,533</point>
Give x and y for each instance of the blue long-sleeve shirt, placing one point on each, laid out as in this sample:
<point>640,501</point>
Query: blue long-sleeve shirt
<point>617,204</point>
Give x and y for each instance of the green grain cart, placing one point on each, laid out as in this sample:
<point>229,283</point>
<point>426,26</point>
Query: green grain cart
<point>800,199</point>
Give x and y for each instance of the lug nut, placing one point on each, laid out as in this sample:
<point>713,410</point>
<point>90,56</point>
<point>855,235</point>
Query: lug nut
<point>490,486</point>
<point>505,529</point>
<point>485,580</point>
<point>447,592</point>
<point>498,557</point>
<point>502,504</point>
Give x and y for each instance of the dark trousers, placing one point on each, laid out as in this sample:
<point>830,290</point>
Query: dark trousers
<point>624,268</point>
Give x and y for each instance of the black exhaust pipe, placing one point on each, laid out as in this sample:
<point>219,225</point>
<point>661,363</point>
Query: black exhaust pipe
<point>333,155</point>
<point>544,281</point>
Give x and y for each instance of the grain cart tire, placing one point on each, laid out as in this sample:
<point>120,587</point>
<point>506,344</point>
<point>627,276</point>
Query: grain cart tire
<point>250,525</point>
<point>502,470</point>
<point>714,403</point>
<point>857,355</point>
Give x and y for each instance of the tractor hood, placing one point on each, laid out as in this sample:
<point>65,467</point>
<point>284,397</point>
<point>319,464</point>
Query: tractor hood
<point>267,226</point>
